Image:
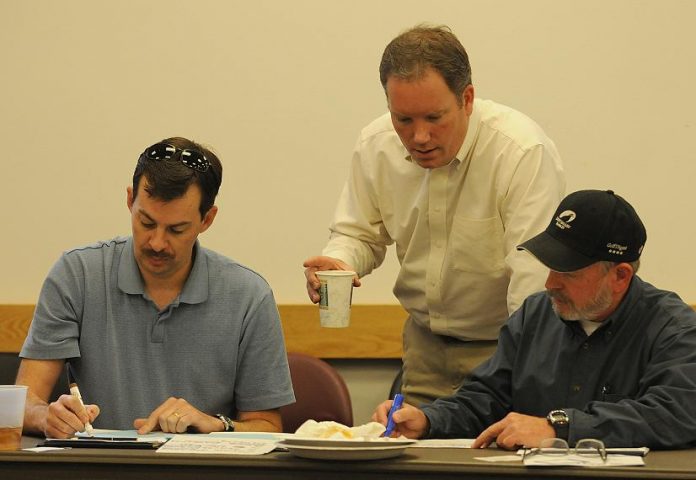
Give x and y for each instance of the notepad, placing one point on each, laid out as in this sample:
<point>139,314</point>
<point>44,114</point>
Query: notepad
<point>110,439</point>
<point>92,442</point>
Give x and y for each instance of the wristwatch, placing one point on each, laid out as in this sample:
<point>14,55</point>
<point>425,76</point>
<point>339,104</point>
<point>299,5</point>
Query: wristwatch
<point>560,422</point>
<point>226,421</point>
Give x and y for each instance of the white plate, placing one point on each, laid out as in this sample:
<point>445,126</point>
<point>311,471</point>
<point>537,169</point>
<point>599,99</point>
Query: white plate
<point>341,442</point>
<point>345,449</point>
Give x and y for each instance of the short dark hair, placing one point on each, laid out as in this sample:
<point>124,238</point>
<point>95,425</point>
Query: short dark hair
<point>168,179</point>
<point>416,50</point>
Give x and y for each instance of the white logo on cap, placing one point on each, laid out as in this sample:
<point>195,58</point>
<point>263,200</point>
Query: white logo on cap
<point>564,219</point>
<point>616,248</point>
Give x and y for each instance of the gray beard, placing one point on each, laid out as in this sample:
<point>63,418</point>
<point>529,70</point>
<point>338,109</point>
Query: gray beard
<point>591,312</point>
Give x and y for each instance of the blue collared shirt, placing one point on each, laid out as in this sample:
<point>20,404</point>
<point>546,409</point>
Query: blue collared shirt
<point>631,383</point>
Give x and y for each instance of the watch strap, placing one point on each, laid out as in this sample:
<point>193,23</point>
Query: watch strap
<point>226,421</point>
<point>562,430</point>
<point>560,422</point>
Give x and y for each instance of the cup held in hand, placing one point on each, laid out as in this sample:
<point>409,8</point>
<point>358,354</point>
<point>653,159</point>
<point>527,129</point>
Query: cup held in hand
<point>335,296</point>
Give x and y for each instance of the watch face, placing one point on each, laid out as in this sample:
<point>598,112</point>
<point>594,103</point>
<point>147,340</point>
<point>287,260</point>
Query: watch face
<point>558,417</point>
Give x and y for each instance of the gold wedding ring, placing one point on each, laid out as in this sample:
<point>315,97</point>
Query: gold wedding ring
<point>177,414</point>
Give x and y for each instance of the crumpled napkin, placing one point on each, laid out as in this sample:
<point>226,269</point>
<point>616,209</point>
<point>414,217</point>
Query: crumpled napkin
<point>338,431</point>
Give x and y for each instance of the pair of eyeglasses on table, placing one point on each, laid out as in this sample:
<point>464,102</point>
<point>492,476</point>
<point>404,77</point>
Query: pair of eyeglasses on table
<point>557,447</point>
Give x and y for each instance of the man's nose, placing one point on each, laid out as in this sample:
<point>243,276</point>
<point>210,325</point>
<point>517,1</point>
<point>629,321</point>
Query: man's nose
<point>158,240</point>
<point>421,133</point>
<point>553,281</point>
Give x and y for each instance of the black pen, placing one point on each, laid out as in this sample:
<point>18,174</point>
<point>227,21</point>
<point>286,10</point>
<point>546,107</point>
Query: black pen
<point>75,392</point>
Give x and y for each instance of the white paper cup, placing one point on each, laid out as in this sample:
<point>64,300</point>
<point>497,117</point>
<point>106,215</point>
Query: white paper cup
<point>12,400</point>
<point>335,296</point>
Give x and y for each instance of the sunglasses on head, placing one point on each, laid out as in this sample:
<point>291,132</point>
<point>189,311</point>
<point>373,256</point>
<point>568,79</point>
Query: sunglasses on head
<point>191,158</point>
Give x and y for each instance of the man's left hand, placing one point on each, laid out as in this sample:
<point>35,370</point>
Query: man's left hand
<point>176,415</point>
<point>515,431</point>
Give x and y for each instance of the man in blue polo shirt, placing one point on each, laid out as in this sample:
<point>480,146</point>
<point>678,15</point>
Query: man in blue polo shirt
<point>159,332</point>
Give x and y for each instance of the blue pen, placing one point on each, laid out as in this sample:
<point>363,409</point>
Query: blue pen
<point>398,400</point>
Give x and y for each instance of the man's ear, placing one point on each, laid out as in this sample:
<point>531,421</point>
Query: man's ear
<point>623,275</point>
<point>209,218</point>
<point>468,99</point>
<point>129,198</point>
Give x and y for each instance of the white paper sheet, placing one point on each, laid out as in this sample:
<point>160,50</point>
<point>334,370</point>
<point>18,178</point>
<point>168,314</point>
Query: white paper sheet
<point>43,449</point>
<point>444,443</point>
<point>540,460</point>
<point>613,460</point>
<point>499,458</point>
<point>252,435</point>
<point>215,445</point>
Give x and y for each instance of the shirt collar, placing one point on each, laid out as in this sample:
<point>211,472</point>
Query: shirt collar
<point>195,289</point>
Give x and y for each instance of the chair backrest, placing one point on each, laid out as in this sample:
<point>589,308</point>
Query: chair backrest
<point>320,392</point>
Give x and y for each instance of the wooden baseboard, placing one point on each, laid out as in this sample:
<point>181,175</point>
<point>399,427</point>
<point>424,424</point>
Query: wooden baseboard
<point>374,331</point>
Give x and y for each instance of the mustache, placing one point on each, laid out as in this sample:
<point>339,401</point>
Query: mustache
<point>153,254</point>
<point>554,295</point>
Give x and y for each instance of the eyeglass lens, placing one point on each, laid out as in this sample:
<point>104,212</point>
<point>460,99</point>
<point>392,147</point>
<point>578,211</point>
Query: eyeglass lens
<point>195,160</point>
<point>591,447</point>
<point>553,446</point>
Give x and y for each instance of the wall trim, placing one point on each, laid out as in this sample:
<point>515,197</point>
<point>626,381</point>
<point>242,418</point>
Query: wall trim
<point>374,331</point>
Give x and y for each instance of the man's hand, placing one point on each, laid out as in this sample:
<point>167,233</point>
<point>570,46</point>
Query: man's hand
<point>176,415</point>
<point>515,431</point>
<point>314,264</point>
<point>66,416</point>
<point>409,421</point>
<point>60,419</point>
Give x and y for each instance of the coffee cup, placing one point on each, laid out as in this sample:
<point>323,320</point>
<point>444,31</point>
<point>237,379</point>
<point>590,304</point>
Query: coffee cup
<point>335,296</point>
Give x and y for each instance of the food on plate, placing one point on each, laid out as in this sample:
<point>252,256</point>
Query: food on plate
<point>338,431</point>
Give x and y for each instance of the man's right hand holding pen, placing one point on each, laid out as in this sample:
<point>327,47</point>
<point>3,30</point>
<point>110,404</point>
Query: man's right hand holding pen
<point>67,415</point>
<point>409,421</point>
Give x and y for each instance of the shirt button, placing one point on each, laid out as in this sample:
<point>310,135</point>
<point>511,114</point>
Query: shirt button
<point>576,388</point>
<point>585,346</point>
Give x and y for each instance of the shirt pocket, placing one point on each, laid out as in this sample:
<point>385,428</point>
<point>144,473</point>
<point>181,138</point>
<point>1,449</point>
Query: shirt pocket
<point>477,244</point>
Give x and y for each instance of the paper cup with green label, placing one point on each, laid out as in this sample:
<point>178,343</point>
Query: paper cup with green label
<point>335,296</point>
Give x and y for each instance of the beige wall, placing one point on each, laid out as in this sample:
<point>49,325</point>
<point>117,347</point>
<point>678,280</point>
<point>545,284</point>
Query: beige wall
<point>280,90</point>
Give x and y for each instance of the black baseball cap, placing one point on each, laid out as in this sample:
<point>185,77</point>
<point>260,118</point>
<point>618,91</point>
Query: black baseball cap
<point>589,226</point>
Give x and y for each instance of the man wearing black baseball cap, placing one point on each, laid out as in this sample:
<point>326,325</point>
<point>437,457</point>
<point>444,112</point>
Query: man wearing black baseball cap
<point>601,354</point>
<point>590,227</point>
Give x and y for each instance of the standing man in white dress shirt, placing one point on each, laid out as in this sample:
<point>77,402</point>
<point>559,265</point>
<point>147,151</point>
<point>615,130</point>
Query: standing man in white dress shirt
<point>457,184</point>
